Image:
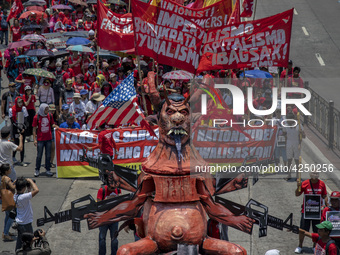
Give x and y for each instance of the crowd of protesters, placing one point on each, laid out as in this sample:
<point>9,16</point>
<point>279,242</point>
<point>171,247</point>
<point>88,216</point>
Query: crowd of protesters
<point>34,105</point>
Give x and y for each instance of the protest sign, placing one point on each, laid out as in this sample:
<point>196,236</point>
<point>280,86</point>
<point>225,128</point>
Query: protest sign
<point>334,217</point>
<point>115,30</point>
<point>263,42</point>
<point>248,8</point>
<point>312,207</point>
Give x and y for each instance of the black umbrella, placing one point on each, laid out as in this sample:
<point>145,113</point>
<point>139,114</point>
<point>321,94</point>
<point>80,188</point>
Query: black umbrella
<point>118,2</point>
<point>39,53</point>
<point>77,34</point>
<point>30,27</point>
<point>106,54</point>
<point>57,54</point>
<point>91,1</point>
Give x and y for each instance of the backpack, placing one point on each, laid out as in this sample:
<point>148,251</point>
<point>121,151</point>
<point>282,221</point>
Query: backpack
<point>58,84</point>
<point>328,244</point>
<point>4,24</point>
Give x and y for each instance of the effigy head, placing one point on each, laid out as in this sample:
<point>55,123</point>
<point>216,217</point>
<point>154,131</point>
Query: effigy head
<point>174,121</point>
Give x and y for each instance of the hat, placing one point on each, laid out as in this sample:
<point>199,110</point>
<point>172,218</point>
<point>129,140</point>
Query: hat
<point>65,107</point>
<point>97,97</point>
<point>80,20</point>
<point>268,91</point>
<point>325,224</point>
<point>290,61</point>
<point>272,252</point>
<point>91,64</point>
<point>112,75</point>
<point>76,95</point>
<point>52,107</point>
<point>11,84</point>
<point>91,32</point>
<point>68,81</point>
<point>105,64</point>
<point>28,87</point>
<point>70,116</point>
<point>84,92</point>
<point>6,130</point>
<point>335,194</point>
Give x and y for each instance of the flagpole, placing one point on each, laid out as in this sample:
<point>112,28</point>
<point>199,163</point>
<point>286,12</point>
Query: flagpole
<point>129,8</point>
<point>142,86</point>
<point>97,60</point>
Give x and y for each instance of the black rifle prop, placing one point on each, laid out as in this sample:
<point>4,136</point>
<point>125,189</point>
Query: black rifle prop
<point>104,162</point>
<point>76,214</point>
<point>225,178</point>
<point>261,217</point>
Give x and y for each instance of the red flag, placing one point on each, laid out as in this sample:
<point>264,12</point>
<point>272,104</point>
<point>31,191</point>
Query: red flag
<point>247,6</point>
<point>115,30</point>
<point>16,8</point>
<point>235,15</point>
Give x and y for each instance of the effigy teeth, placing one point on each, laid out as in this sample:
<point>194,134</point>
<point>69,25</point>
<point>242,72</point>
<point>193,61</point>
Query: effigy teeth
<point>170,132</point>
<point>185,132</point>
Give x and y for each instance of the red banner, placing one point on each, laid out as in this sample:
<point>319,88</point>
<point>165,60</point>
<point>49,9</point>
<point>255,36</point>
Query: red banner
<point>114,30</point>
<point>172,34</point>
<point>263,42</point>
<point>16,8</point>
<point>248,8</point>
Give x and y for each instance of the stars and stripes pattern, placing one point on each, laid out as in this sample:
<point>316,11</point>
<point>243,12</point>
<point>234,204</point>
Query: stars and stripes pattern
<point>120,107</point>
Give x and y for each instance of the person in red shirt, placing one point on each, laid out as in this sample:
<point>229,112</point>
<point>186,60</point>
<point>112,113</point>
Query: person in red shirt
<point>322,239</point>
<point>42,134</point>
<point>88,25</point>
<point>15,32</point>
<point>106,89</point>
<point>295,81</point>
<point>80,25</point>
<point>334,200</point>
<point>96,86</point>
<point>29,100</point>
<point>25,80</point>
<point>75,62</point>
<point>105,70</point>
<point>90,75</point>
<point>69,73</point>
<point>113,80</point>
<point>78,85</point>
<point>79,12</point>
<point>311,186</point>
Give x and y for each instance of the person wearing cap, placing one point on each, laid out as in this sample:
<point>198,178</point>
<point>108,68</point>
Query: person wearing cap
<point>309,187</point>
<point>67,93</point>
<point>70,122</point>
<point>46,93</point>
<point>29,101</point>
<point>8,99</point>
<point>83,94</point>
<point>80,25</point>
<point>78,109</point>
<point>335,206</point>
<point>63,114</point>
<point>90,75</point>
<point>324,244</point>
<point>105,70</point>
<point>24,80</point>
<point>88,25</point>
<point>43,123</point>
<point>94,103</point>
<point>113,80</point>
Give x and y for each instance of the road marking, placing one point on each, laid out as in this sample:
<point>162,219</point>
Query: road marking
<point>319,58</point>
<point>329,191</point>
<point>305,31</point>
<point>295,12</point>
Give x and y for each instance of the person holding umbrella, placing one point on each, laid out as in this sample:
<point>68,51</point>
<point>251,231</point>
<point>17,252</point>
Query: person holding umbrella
<point>25,80</point>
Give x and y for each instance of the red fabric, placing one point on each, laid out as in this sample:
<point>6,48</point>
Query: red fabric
<point>29,80</point>
<point>320,247</point>
<point>114,85</point>
<point>107,193</point>
<point>88,25</point>
<point>77,87</point>
<point>15,33</point>
<point>95,88</point>
<point>106,142</point>
<point>106,75</point>
<point>30,106</point>
<point>16,8</point>
<point>44,131</point>
<point>16,109</point>
<point>247,6</point>
<point>68,74</point>
<point>77,68</point>
<point>88,78</point>
<point>235,15</point>
<point>319,188</point>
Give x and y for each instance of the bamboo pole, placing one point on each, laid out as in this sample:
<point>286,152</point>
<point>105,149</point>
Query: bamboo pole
<point>142,86</point>
<point>97,60</point>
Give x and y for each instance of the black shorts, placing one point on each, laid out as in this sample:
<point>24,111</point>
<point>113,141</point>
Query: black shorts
<point>305,224</point>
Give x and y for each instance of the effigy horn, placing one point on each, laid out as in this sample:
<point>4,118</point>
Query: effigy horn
<point>166,95</point>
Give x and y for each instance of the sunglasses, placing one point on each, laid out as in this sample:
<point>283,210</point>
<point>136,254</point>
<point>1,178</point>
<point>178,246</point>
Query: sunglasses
<point>12,86</point>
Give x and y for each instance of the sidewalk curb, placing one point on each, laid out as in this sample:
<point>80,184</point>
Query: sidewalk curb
<point>319,158</point>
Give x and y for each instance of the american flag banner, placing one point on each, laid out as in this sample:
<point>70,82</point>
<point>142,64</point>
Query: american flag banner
<point>120,107</point>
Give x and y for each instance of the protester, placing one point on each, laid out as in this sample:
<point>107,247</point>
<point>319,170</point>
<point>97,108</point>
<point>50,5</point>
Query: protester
<point>8,99</point>
<point>18,128</point>
<point>63,114</point>
<point>70,122</point>
<point>28,240</point>
<point>26,190</point>
<point>4,28</point>
<point>42,134</point>
<point>46,93</point>
<point>6,183</point>
<point>94,103</point>
<point>83,94</point>
<point>78,109</point>
<point>106,89</point>
<point>67,93</point>
<point>29,100</point>
<point>312,186</point>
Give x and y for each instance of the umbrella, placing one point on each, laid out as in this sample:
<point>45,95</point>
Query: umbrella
<point>118,2</point>
<point>39,53</point>
<point>78,41</point>
<point>25,15</point>
<point>30,27</point>
<point>80,2</point>
<point>57,54</point>
<point>80,48</point>
<point>256,74</point>
<point>35,8</point>
<point>18,44</point>
<point>39,72</point>
<point>178,75</point>
<point>34,3</point>
<point>34,38</point>
<point>62,7</point>
<point>106,54</point>
<point>91,1</point>
<point>77,33</point>
<point>21,56</point>
<point>59,43</point>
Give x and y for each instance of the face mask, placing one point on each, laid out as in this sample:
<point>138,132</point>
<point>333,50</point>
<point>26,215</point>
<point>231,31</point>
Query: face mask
<point>46,84</point>
<point>58,68</point>
<point>90,72</point>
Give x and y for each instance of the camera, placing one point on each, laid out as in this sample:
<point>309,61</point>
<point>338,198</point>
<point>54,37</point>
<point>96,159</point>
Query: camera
<point>37,234</point>
<point>28,184</point>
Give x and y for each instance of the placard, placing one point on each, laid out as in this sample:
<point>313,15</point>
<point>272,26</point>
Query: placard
<point>334,217</point>
<point>312,207</point>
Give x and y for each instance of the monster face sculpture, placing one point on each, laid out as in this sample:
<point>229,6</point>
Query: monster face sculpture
<point>174,123</point>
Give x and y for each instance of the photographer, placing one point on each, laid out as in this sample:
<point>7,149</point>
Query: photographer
<point>24,216</point>
<point>27,242</point>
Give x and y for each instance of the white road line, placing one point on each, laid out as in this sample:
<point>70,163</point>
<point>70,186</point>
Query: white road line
<point>305,31</point>
<point>295,12</point>
<point>319,58</point>
<point>329,191</point>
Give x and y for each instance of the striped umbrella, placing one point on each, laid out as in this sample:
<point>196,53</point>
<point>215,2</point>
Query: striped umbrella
<point>80,48</point>
<point>34,38</point>
<point>178,75</point>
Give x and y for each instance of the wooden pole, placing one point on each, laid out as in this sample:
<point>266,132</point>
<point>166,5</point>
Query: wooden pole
<point>142,86</point>
<point>97,60</point>
<point>129,8</point>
